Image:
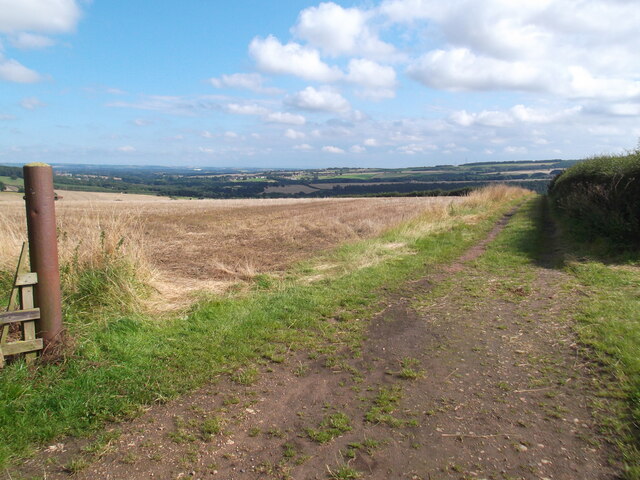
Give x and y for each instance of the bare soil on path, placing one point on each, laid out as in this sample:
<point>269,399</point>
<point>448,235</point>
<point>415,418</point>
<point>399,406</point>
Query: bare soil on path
<point>461,376</point>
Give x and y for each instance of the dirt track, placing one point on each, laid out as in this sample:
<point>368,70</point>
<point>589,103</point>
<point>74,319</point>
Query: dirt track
<point>492,388</point>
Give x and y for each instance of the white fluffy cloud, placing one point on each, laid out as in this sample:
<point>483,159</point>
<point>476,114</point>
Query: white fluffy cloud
<point>332,149</point>
<point>52,16</point>
<point>524,28</point>
<point>13,71</point>
<point>515,150</point>
<point>458,69</point>
<point>582,84</point>
<point>575,61</point>
<point>303,147</point>
<point>544,46</point>
<point>20,19</point>
<point>294,134</point>
<point>378,81</point>
<point>30,41</point>
<point>293,59</point>
<point>558,47</point>
<point>532,115</point>
<point>625,109</point>
<point>285,118</point>
<point>516,114</point>
<point>324,99</point>
<point>461,69</point>
<point>414,149</point>
<point>371,74</point>
<point>409,11</point>
<point>341,31</point>
<point>247,81</point>
<point>248,109</point>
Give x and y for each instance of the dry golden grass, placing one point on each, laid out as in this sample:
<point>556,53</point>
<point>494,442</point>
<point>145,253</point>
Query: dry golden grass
<point>493,194</point>
<point>204,244</point>
<point>186,245</point>
<point>435,217</point>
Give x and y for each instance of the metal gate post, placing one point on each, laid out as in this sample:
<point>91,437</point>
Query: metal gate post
<point>43,248</point>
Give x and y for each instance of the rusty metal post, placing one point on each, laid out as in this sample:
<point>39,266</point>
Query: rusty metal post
<point>43,248</point>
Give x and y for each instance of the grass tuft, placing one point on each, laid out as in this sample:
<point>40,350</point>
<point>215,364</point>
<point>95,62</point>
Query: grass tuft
<point>211,427</point>
<point>332,426</point>
<point>386,403</point>
<point>344,472</point>
<point>409,370</point>
<point>245,376</point>
<point>76,465</point>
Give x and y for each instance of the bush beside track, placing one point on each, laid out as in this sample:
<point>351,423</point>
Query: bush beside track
<point>603,195</point>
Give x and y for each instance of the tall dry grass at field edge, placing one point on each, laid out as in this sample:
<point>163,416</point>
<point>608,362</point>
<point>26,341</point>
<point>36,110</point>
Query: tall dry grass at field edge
<point>494,194</point>
<point>101,253</point>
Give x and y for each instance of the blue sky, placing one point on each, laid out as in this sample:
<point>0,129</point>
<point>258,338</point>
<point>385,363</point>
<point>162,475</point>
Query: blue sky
<point>385,83</point>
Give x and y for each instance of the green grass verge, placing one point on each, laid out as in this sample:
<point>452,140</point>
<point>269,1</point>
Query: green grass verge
<point>609,323</point>
<point>122,362</point>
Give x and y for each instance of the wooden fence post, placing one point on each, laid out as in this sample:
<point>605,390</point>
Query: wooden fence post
<point>43,248</point>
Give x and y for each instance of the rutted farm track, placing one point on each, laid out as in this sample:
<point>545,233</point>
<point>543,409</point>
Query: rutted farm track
<point>469,372</point>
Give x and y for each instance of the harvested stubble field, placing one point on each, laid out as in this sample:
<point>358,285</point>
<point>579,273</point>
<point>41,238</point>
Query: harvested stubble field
<point>187,245</point>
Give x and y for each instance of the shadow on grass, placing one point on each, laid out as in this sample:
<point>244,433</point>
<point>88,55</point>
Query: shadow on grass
<point>553,241</point>
<point>607,317</point>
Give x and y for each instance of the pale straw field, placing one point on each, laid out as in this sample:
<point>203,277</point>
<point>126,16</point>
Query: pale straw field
<point>185,245</point>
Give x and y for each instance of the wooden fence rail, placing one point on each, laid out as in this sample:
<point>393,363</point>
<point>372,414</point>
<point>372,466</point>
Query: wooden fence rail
<point>21,311</point>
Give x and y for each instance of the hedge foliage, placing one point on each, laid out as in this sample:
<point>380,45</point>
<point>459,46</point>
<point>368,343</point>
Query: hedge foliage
<point>603,195</point>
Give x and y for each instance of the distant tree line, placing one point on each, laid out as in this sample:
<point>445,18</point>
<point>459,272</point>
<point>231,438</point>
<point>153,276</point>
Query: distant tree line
<point>13,172</point>
<point>188,183</point>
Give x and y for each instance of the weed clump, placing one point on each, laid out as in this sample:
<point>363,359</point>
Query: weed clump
<point>245,376</point>
<point>344,472</point>
<point>332,426</point>
<point>384,405</point>
<point>106,273</point>
<point>409,369</point>
<point>211,427</point>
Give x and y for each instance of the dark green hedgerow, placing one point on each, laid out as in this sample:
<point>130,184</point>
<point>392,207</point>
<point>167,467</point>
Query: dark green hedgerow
<point>602,196</point>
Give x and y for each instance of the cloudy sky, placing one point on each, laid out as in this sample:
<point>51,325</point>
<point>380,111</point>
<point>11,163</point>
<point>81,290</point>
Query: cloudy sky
<point>267,83</point>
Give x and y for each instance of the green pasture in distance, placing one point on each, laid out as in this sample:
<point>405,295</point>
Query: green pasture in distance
<point>18,182</point>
